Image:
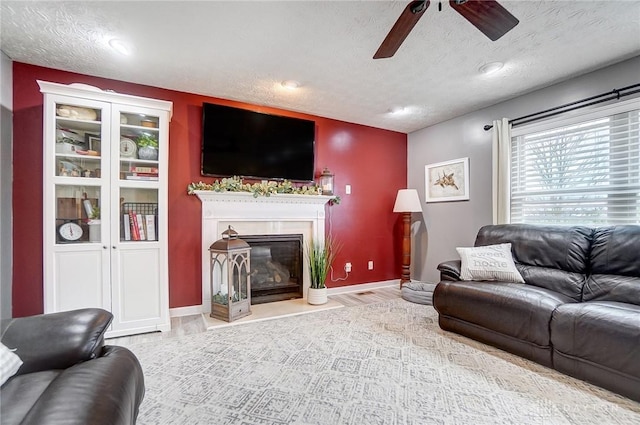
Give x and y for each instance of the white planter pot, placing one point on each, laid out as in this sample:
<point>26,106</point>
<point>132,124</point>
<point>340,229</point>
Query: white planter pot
<point>94,230</point>
<point>317,296</point>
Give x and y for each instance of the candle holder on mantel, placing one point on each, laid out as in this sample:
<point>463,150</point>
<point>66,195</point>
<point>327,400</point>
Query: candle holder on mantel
<point>230,280</point>
<point>326,182</point>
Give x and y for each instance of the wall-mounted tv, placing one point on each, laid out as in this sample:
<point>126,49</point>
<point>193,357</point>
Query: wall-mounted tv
<point>239,142</point>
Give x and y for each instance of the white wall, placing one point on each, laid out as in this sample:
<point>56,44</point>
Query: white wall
<point>452,224</point>
<point>6,114</point>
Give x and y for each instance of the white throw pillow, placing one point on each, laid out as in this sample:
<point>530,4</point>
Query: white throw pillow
<point>491,262</point>
<point>9,363</point>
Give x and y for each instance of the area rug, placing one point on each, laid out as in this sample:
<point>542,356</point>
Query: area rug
<point>379,364</point>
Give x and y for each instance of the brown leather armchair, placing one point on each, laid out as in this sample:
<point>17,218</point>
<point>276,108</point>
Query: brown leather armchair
<point>68,375</point>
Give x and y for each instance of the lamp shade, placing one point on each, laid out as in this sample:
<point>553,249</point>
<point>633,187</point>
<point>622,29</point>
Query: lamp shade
<point>407,201</point>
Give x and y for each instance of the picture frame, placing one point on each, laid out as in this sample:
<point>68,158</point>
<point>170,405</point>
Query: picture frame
<point>93,142</point>
<point>447,181</point>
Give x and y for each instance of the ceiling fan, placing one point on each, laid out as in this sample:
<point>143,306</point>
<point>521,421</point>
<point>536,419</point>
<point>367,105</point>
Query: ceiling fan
<point>488,16</point>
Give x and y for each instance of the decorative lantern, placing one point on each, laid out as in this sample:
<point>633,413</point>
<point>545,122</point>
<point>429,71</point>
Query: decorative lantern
<point>326,182</point>
<point>230,280</point>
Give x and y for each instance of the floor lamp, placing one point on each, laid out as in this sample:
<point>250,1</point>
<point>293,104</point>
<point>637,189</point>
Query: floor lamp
<point>407,202</point>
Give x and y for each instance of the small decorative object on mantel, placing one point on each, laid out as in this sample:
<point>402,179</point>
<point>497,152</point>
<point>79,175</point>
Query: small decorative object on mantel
<point>264,188</point>
<point>326,182</point>
<point>230,277</point>
<point>320,256</point>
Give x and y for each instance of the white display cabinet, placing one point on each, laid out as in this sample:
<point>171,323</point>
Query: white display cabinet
<point>105,205</point>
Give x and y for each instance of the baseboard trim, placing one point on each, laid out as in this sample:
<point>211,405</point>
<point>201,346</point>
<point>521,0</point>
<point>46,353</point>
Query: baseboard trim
<point>363,287</point>
<point>185,311</point>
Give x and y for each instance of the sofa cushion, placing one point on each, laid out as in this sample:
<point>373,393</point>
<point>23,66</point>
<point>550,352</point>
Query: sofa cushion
<point>604,333</point>
<point>513,309</point>
<point>615,265</point>
<point>567,283</point>
<point>489,262</point>
<point>551,257</point>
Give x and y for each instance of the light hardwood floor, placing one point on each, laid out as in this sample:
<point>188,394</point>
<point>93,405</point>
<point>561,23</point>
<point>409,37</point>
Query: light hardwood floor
<point>186,325</point>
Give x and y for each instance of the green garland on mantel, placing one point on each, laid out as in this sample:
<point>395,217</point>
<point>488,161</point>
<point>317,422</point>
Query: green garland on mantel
<point>264,188</point>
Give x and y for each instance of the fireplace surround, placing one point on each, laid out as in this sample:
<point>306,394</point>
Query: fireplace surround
<point>280,214</point>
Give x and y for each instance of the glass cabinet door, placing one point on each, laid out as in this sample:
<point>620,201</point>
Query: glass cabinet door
<point>78,141</point>
<point>139,214</point>
<point>78,165</point>
<point>77,212</point>
<point>138,171</point>
<point>139,149</point>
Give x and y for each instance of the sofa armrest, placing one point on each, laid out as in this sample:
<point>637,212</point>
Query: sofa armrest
<point>450,270</point>
<point>56,340</point>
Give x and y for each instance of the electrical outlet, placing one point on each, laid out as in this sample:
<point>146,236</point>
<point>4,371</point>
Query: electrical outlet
<point>370,265</point>
<point>347,267</point>
<point>347,189</point>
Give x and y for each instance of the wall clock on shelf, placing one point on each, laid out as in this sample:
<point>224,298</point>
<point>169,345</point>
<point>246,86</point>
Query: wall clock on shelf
<point>128,148</point>
<point>69,231</point>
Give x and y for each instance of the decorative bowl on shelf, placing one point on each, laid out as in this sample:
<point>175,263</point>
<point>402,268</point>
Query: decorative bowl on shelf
<point>148,152</point>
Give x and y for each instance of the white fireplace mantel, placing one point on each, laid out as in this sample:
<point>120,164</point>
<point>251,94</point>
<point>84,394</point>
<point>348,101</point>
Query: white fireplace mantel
<point>263,215</point>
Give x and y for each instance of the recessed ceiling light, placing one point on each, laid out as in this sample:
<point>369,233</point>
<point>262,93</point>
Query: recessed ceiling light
<point>491,67</point>
<point>290,84</point>
<point>120,46</point>
<point>397,110</point>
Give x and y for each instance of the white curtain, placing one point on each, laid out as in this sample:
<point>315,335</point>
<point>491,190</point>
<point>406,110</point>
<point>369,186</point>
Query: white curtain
<point>501,170</point>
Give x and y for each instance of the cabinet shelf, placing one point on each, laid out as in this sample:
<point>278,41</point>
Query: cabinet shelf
<point>79,157</point>
<point>132,161</point>
<point>142,184</point>
<point>82,125</point>
<point>140,128</point>
<point>76,181</point>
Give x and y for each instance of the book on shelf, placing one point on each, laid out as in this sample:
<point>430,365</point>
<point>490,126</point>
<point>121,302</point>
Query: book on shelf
<point>135,236</point>
<point>142,176</point>
<point>150,226</point>
<point>126,224</point>
<point>139,169</point>
<point>140,223</point>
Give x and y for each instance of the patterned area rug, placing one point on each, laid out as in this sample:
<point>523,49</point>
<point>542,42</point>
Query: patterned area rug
<point>375,364</point>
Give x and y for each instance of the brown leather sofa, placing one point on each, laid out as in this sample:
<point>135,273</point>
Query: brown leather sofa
<point>68,375</point>
<point>577,312</point>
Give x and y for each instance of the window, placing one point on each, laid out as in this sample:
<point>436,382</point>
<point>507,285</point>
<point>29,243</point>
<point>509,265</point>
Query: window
<point>582,170</point>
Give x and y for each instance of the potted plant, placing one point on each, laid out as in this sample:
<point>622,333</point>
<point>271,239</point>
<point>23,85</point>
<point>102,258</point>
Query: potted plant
<point>320,256</point>
<point>147,146</point>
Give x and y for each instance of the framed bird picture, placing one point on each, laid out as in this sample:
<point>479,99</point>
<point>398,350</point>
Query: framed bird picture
<point>447,181</point>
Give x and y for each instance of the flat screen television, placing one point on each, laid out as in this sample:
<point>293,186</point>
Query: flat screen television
<point>239,142</point>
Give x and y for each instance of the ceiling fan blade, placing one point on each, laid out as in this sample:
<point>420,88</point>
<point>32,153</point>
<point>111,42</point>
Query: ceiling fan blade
<point>488,16</point>
<point>401,29</point>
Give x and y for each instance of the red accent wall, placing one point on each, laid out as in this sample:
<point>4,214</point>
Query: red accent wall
<point>371,160</point>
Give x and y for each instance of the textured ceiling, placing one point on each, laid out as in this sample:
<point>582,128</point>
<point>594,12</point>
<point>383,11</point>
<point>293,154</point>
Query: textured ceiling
<point>243,50</point>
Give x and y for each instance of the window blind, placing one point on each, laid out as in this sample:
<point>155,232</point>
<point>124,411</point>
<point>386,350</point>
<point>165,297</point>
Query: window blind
<point>582,170</point>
